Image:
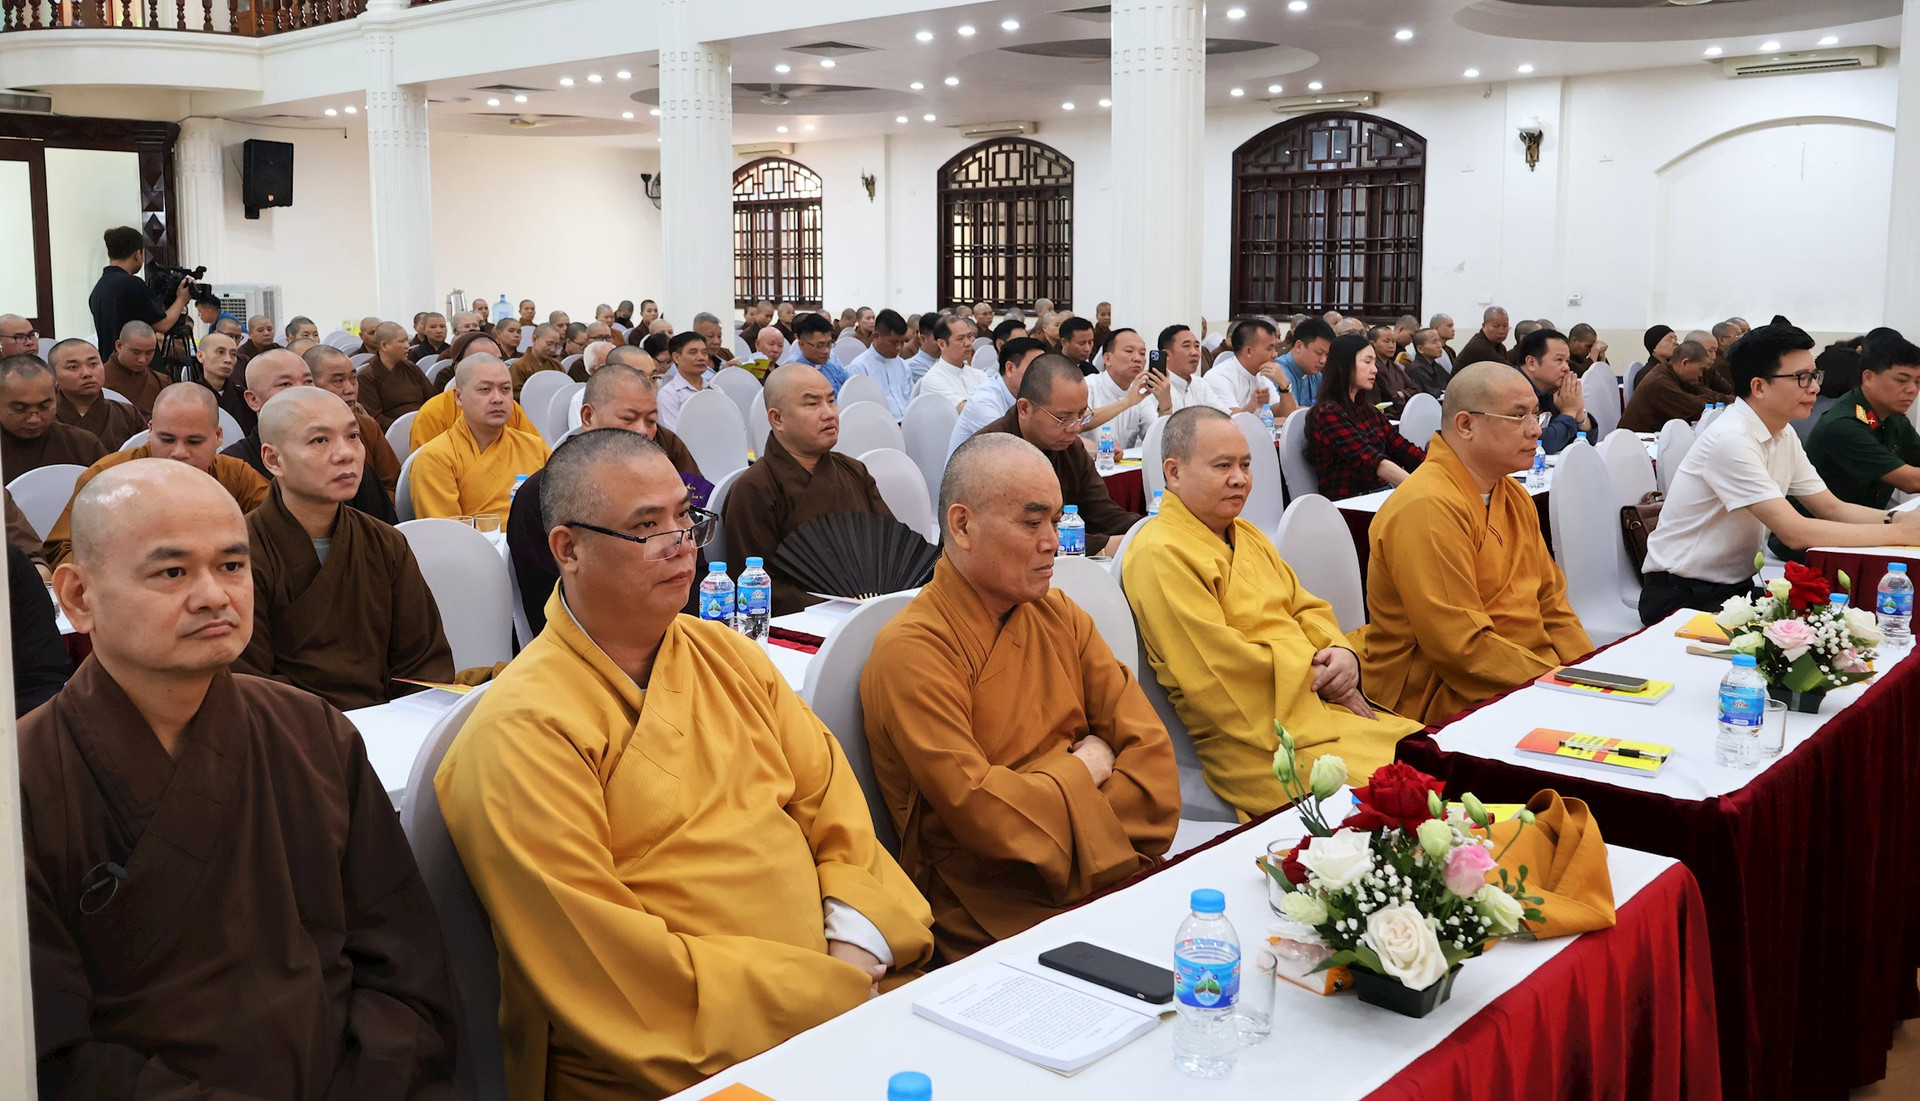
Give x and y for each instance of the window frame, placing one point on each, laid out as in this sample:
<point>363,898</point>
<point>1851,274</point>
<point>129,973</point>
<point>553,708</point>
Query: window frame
<point>767,212</point>
<point>992,187</point>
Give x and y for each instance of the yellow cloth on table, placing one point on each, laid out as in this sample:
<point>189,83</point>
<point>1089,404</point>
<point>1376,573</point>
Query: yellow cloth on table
<point>1231,635</point>
<point>656,862</point>
<point>441,411</point>
<point>1566,864</point>
<point>452,477</point>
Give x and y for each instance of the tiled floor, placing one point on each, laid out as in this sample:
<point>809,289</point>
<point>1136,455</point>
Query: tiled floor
<point>1902,1082</point>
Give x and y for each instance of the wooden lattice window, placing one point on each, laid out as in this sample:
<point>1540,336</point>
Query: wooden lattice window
<point>1006,225</point>
<point>1327,213</point>
<point>776,233</point>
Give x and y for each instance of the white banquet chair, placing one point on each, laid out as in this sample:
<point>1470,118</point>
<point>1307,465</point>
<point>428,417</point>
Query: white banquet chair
<point>860,388</point>
<point>400,434</point>
<point>737,383</point>
<point>832,690</point>
<point>710,426</point>
<point>757,427</point>
<point>537,393</point>
<point>43,493</point>
<point>1266,497</point>
<point>1301,480</point>
<point>136,439</point>
<point>927,427</point>
<point>902,488</point>
<point>868,426</point>
<point>1586,543</point>
<point>1153,472</point>
<point>1602,391</point>
<point>1090,585</point>
<point>1420,419</point>
<point>1671,447</point>
<point>723,485</point>
<point>468,577</point>
<point>1314,541</point>
<point>554,425</point>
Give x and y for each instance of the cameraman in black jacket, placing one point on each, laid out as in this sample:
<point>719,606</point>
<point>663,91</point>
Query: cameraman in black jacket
<point>122,296</point>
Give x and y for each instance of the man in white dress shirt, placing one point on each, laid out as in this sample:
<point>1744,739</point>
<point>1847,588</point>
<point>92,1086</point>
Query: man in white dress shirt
<point>1118,392</point>
<point>922,361</point>
<point>950,376</point>
<point>992,398</point>
<point>1180,355</point>
<point>883,364</point>
<point>1251,376</point>
<point>688,377</point>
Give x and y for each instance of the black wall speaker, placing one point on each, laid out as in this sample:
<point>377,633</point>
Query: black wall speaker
<point>266,175</point>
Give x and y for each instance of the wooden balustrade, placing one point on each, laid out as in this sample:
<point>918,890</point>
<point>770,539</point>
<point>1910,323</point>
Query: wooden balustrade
<point>252,18</point>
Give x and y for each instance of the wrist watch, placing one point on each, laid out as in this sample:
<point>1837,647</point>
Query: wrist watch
<point>1889,518</point>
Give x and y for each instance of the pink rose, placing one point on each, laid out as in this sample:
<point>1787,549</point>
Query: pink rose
<point>1467,868</point>
<point>1850,662</point>
<point>1793,636</point>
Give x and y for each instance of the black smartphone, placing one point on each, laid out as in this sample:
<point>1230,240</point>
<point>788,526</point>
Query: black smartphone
<point>1157,361</point>
<point>1593,678</point>
<point>1129,976</point>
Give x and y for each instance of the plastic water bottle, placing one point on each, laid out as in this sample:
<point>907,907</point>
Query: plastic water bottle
<point>1106,461</point>
<point>518,481</point>
<point>1743,714</point>
<point>1537,478</point>
<point>909,1085</point>
<point>756,600</point>
<point>1266,417</point>
<point>716,594</point>
<point>1206,983</point>
<point>1153,506</point>
<point>501,310</point>
<point>1893,606</point>
<point>1073,532</point>
<point>1580,437</point>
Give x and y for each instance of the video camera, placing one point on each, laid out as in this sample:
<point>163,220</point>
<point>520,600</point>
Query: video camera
<point>164,281</point>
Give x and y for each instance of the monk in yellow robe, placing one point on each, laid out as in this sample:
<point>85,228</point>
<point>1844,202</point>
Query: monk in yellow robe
<point>472,468</point>
<point>1020,761</point>
<point>1232,636</point>
<point>441,410</point>
<point>1464,598</point>
<point>677,860</point>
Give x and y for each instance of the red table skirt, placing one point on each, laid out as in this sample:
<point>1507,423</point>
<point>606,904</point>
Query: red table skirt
<point>1128,488</point>
<point>1811,879</point>
<point>1627,1013</point>
<point>1863,569</point>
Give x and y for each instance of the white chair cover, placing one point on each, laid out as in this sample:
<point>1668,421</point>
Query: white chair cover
<point>565,402</point>
<point>1153,472</point>
<point>1676,438</point>
<point>757,429</point>
<point>571,361</point>
<point>1632,380</point>
<point>832,690</point>
<point>428,364</point>
<point>717,546</point>
<point>43,493</point>
<point>1091,586</point>
<point>114,395</point>
<point>478,1070</point>
<point>136,440</point>
<point>1314,540</point>
<point>400,435</point>
<point>737,383</point>
<point>523,631</point>
<point>403,490</point>
<point>1587,544</point>
<point>1630,473</point>
<point>468,577</point>
<point>1266,497</point>
<point>1301,480</point>
<point>230,432</point>
<point>1420,419</point>
<point>868,426</point>
<point>710,427</point>
<point>341,339</point>
<point>1120,547</point>
<point>902,488</point>
<point>859,388</point>
<point>928,426</point>
<point>537,393</point>
<point>1602,390</point>
<point>360,359</point>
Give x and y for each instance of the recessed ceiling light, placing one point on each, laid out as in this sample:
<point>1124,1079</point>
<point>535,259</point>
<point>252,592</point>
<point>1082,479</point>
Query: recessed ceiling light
<point>1769,47</point>
<point>655,112</point>
<point>1404,34</point>
<point>1009,24</point>
<point>1526,68</point>
<point>1274,89</point>
<point>828,63</point>
<point>1471,73</point>
<point>1314,86</point>
<point>493,103</point>
<point>1106,103</point>
<point>1236,13</point>
<point>331,112</point>
<point>952,82</point>
<point>917,86</point>
<point>1713,51</point>
<point>808,126</point>
<point>779,129</point>
<point>966,30</point>
<point>352,110</point>
<point>1830,40</point>
<point>623,75</point>
<point>566,82</point>
<point>520,99</point>
<point>1067,106</point>
<point>593,78</point>
<point>924,36</point>
<point>1297,6</point>
<point>1237,92</point>
<point>626,114</point>
<point>783,67</point>
<point>928,118</point>
<point>900,118</point>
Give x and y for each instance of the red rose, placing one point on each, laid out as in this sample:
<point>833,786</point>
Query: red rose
<point>1810,588</point>
<point>1291,867</point>
<point>1396,796</point>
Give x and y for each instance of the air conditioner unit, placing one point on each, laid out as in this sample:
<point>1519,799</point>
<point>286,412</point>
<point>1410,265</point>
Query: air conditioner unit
<point>1332,101</point>
<point>244,300</point>
<point>998,129</point>
<point>1803,61</point>
<point>764,149</point>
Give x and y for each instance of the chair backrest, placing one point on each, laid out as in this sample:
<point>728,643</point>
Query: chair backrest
<point>360,359</point>
<point>832,690</point>
<point>1629,469</point>
<point>136,439</point>
<point>468,577</point>
<point>1587,543</point>
<point>1675,439</point>
<point>400,434</point>
<point>902,488</point>
<point>1602,391</point>
<point>860,388</point>
<point>1153,473</point>
<point>1301,480</point>
<point>537,392</point>
<point>427,365</point>
<point>717,546</point>
<point>478,1070</point>
<point>1120,547</point>
<point>1314,540</point>
<point>928,426</point>
<point>341,339</point>
<point>737,383</point>
<point>868,426</point>
<point>553,423</point>
<point>1093,587</point>
<point>757,427</point>
<point>403,489</point>
<point>571,361</point>
<point>1420,419</point>
<point>710,426</point>
<point>1267,496</point>
<point>522,626</point>
<point>43,493</point>
<point>1706,419</point>
<point>114,395</point>
<point>230,431</point>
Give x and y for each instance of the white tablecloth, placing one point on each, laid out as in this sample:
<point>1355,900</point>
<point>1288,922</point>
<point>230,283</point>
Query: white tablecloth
<point>394,733</point>
<point>851,1057</point>
<point>1687,719</point>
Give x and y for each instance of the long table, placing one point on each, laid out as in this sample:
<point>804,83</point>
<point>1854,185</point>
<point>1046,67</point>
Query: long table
<point>1808,865</point>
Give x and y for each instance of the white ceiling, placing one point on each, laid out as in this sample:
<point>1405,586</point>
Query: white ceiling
<point>1344,44</point>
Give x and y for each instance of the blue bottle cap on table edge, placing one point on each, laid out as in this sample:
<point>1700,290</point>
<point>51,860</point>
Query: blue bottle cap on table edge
<point>1074,509</point>
<point>909,1085</point>
<point>755,563</point>
<point>1896,567</point>
<point>1838,600</point>
<point>1208,901</point>
<point>716,567</point>
<point>1745,661</point>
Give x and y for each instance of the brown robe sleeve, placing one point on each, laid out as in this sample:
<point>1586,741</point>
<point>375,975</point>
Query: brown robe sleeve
<point>752,516</point>
<point>370,397</point>
<point>20,533</point>
<point>1103,518</point>
<point>677,451</point>
<point>386,465</point>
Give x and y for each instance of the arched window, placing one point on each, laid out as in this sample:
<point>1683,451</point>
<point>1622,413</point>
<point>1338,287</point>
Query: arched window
<point>776,233</point>
<point>1327,216</point>
<point>1006,225</point>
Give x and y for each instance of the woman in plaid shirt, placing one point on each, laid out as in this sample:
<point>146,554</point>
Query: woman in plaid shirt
<point>1354,449</point>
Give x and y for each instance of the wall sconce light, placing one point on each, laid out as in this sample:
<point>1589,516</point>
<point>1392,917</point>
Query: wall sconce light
<point>867,181</point>
<point>1530,135</point>
<point>652,182</point>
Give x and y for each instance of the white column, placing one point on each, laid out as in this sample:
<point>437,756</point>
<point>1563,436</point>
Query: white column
<point>400,172</point>
<point>1903,234</point>
<point>199,173</point>
<point>696,169</point>
<point>1159,132</point>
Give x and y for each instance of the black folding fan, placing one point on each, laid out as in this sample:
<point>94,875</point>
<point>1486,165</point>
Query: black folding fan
<point>855,554</point>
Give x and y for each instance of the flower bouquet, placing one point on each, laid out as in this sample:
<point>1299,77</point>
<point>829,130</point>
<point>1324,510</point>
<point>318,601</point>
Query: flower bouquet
<point>1802,644</point>
<point>1398,893</point>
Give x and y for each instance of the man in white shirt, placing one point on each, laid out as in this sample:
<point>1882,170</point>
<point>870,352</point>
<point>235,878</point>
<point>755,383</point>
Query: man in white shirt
<point>688,377</point>
<point>883,364</point>
<point>993,398</point>
<point>1180,355</point>
<point>922,361</point>
<point>1119,391</point>
<point>1250,377</point>
<point>1732,487</point>
<point>950,376</point>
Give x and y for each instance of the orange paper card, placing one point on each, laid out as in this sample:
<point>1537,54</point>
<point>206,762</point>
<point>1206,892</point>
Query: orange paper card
<point>737,1092</point>
<point>1702,628</point>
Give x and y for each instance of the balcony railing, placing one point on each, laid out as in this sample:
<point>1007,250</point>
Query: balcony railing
<point>251,18</point>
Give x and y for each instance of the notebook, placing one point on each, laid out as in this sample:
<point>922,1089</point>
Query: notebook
<point>1591,749</point>
<point>1702,628</point>
<point>1049,1019</point>
<point>1654,692</point>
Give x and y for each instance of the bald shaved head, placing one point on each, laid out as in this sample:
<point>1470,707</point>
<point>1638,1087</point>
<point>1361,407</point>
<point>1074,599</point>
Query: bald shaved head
<point>979,465</point>
<point>1042,375</point>
<point>273,367</point>
<point>608,380</point>
<point>785,384</point>
<point>110,512</point>
<point>287,411</point>
<point>188,399</point>
<point>572,488</point>
<point>1176,441</point>
<point>389,331</point>
<point>463,374</point>
<point>999,504</point>
<point>1476,387</point>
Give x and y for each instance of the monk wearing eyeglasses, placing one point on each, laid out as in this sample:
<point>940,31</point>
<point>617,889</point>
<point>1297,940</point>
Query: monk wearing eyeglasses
<point>677,861</point>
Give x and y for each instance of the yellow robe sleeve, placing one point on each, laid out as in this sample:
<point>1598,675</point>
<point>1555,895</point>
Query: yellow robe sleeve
<point>434,485</point>
<point>432,419</point>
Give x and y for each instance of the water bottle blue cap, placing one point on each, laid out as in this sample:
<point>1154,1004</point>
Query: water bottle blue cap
<point>1744,661</point>
<point>755,562</point>
<point>1896,567</point>
<point>1073,509</point>
<point>909,1085</point>
<point>716,567</point>
<point>1208,901</point>
<point>1838,599</point>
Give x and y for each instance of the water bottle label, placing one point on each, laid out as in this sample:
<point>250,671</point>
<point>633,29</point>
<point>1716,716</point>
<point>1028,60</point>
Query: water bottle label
<point>1207,985</point>
<point>1899,603</point>
<point>1742,707</point>
<point>755,599</point>
<point>715,604</point>
<point>1073,540</point>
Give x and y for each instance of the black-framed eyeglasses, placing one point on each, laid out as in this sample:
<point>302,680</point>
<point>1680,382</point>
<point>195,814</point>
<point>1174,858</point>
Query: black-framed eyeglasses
<point>1805,380</point>
<point>662,544</point>
<point>28,334</point>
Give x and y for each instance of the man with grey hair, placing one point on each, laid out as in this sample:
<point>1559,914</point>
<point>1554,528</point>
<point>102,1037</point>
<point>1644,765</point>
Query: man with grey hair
<point>129,370</point>
<point>31,432</point>
<point>391,383</point>
<point>719,350</point>
<point>1019,786</point>
<point>431,339</point>
<point>466,321</point>
<point>77,374</point>
<point>1490,343</point>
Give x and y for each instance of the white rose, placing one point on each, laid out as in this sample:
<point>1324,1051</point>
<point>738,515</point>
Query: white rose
<point>1303,908</point>
<point>1738,611</point>
<point>1499,908</point>
<point>1863,625</point>
<point>1338,862</point>
<point>1406,945</point>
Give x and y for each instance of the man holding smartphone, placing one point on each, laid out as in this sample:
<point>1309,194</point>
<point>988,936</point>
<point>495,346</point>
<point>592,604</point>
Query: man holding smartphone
<point>1125,393</point>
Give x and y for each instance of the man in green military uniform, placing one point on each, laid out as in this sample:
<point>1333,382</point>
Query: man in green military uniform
<point>1864,447</point>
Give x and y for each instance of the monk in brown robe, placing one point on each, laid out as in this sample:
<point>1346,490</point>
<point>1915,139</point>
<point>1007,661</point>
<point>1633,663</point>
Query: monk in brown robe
<point>1022,765</point>
<point>20,534</point>
<point>800,478</point>
<point>259,339</point>
<point>340,608</point>
<point>219,373</point>
<point>1490,343</point>
<point>31,435</point>
<point>332,371</point>
<point>1676,390</point>
<point>391,385</point>
<point>77,375</point>
<point>220,901</point>
<point>186,429</point>
<point>129,371</point>
<point>542,355</point>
